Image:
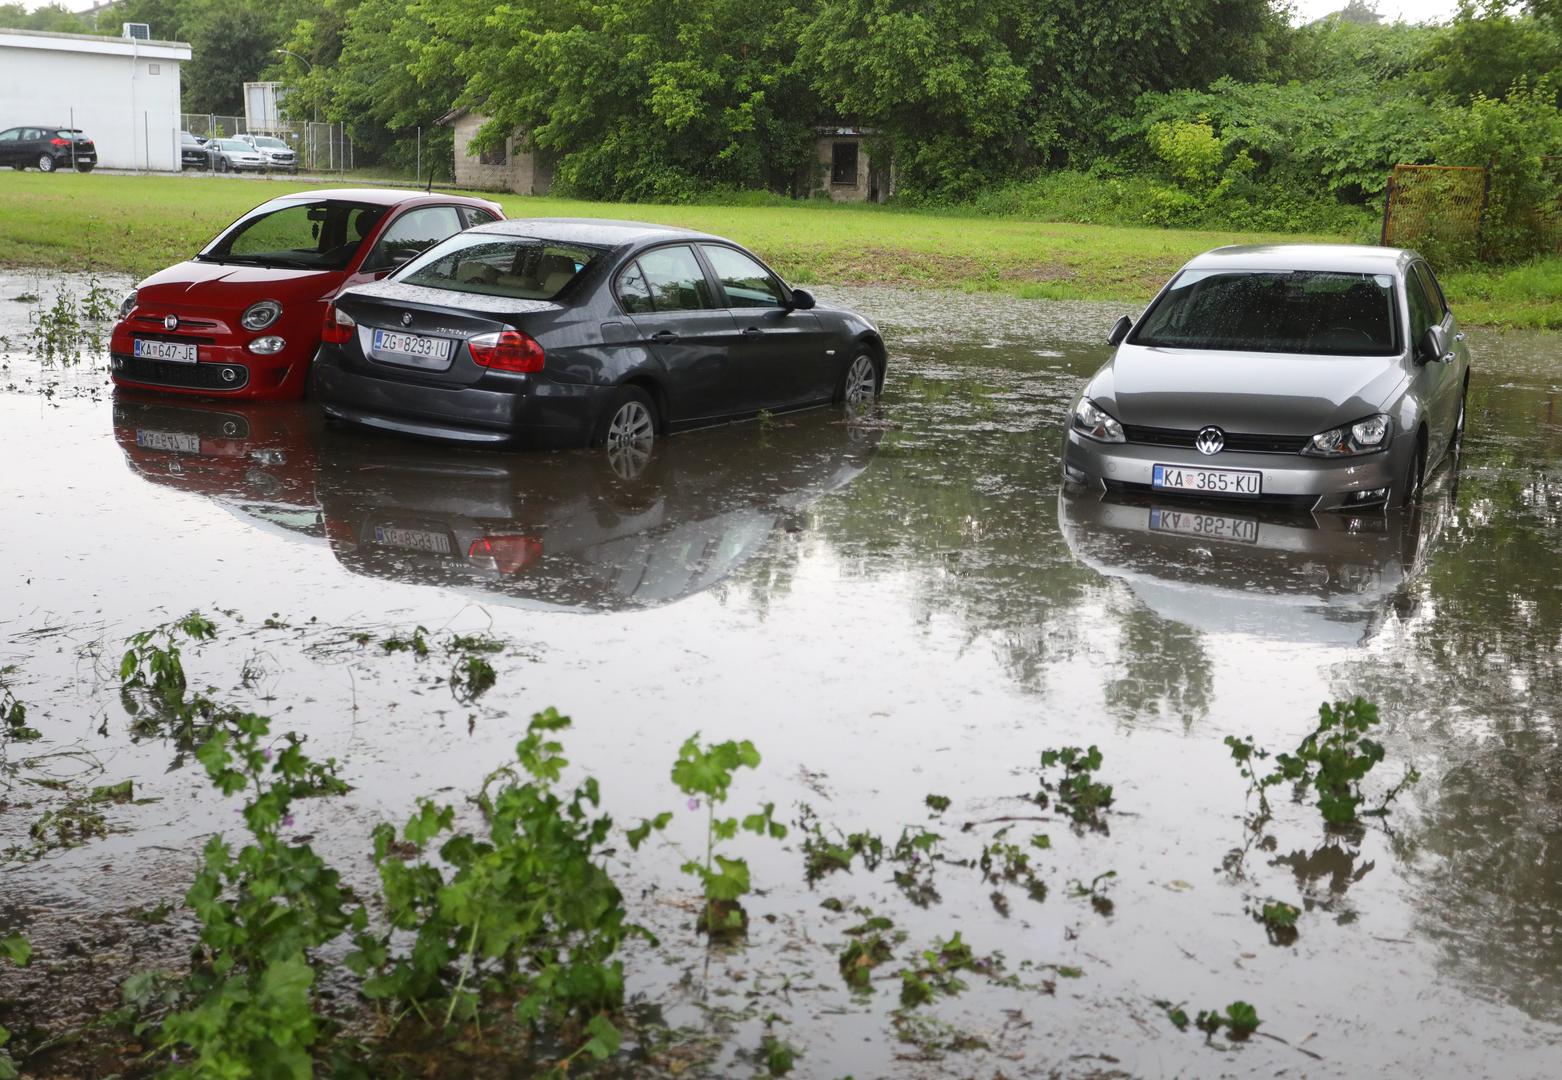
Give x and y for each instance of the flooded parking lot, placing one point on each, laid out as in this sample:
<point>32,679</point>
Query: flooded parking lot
<point>889,610</point>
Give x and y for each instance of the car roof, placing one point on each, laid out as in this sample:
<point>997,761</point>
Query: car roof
<point>379,196</point>
<point>1346,258</point>
<point>599,232</point>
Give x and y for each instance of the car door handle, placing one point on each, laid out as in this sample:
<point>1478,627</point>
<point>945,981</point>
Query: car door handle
<point>1459,336</point>
<point>1448,357</point>
<point>753,331</point>
<point>664,335</point>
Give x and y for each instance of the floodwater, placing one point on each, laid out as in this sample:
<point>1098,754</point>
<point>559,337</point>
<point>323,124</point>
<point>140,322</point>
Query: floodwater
<point>888,610</point>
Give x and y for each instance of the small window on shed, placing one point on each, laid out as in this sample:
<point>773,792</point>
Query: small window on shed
<point>843,163</point>
<point>497,156</point>
<point>154,69</point>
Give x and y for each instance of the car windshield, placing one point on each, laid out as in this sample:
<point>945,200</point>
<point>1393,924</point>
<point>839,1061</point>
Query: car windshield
<point>271,144</point>
<point>1281,311</point>
<point>320,235</point>
<point>522,267</point>
<point>235,144</point>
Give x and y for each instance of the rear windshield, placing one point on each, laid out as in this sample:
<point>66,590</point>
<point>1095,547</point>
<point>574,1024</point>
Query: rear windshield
<point>1286,311</point>
<point>522,267</point>
<point>319,235</point>
<point>66,133</point>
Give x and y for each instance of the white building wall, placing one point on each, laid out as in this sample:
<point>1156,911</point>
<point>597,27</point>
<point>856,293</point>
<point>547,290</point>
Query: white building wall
<point>124,94</point>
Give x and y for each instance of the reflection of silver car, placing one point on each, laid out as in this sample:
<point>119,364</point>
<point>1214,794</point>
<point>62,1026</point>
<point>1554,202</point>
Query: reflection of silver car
<point>1326,578</point>
<point>1321,377</point>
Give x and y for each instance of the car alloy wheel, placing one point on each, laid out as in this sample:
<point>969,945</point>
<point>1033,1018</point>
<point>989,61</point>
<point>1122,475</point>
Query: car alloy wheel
<point>862,382</point>
<point>45,163</point>
<point>630,425</point>
<point>1415,478</point>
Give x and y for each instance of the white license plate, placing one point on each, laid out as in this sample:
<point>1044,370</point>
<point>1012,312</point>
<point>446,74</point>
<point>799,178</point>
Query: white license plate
<point>1212,526</point>
<point>412,539</point>
<point>176,351</point>
<point>1207,481</point>
<point>415,347</point>
<point>179,441</point>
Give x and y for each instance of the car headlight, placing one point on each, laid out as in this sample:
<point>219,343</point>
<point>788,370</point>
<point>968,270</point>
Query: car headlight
<point>1363,437</point>
<point>260,315</point>
<point>1094,422</point>
<point>127,305</point>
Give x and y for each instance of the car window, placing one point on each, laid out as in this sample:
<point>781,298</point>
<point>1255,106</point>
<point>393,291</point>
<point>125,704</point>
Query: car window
<point>319,235</point>
<point>477,216</point>
<point>633,293</point>
<point>675,279</point>
<point>522,267</point>
<point>10,134</point>
<point>1434,292</point>
<point>411,234</point>
<point>32,134</point>
<point>1421,310</point>
<point>1283,311</point>
<point>746,283</point>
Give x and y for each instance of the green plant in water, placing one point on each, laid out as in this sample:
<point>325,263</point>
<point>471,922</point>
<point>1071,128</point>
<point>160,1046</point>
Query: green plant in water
<point>160,667</point>
<point>707,771</point>
<point>872,944</point>
<point>13,714</point>
<point>1240,1020</point>
<point>779,1058</point>
<point>525,912</point>
<point>1279,921</point>
<point>16,949</point>
<point>1077,790</point>
<point>416,644</point>
<point>247,1008</point>
<point>936,975</point>
<point>1332,761</point>
<point>471,677</point>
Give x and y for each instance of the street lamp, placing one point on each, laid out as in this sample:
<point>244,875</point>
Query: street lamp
<point>314,112</point>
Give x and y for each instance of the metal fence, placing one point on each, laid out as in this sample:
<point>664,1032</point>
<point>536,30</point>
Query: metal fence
<point>1443,211</point>
<point>1436,207</point>
<point>321,147</point>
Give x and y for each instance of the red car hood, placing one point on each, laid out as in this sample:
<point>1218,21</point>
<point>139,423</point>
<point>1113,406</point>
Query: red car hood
<point>219,287</point>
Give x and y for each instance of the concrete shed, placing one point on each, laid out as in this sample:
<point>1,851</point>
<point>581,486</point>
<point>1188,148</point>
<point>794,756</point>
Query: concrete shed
<point>123,92</point>
<point>508,168</point>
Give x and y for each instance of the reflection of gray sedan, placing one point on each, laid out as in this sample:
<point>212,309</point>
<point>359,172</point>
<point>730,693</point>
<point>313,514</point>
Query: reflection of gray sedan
<point>1321,377</point>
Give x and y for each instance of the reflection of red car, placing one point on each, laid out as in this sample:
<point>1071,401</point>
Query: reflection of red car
<point>242,318</point>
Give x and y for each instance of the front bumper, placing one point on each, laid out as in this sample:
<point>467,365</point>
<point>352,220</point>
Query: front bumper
<point>1303,483</point>
<point>498,409</point>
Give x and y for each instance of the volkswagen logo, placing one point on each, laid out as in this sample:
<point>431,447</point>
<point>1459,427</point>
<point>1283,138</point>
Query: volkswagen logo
<point>1210,440</point>
<point>170,322</point>
<point>406,318</point>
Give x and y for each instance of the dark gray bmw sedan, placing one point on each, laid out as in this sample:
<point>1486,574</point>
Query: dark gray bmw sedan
<point>564,332</point>
<point>1316,376</point>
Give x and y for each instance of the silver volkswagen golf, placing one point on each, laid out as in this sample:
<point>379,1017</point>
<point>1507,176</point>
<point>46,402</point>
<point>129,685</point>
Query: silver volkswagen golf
<point>1310,375</point>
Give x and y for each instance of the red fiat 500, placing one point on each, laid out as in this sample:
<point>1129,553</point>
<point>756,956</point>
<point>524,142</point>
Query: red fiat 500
<point>242,318</point>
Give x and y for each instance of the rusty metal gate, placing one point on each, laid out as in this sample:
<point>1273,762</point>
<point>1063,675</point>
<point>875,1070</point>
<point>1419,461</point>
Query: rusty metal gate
<point>1438,207</point>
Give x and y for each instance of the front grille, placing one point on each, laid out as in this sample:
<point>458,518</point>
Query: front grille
<point>189,376</point>
<point>1236,442</point>
<point>193,324</point>
<point>1289,502</point>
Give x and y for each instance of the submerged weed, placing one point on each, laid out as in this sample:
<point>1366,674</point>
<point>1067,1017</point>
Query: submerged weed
<point>1077,790</point>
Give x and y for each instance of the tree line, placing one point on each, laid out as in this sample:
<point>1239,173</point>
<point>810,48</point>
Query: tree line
<point>1179,112</point>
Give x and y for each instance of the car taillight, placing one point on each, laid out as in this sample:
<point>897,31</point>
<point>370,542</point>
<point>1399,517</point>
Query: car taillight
<point>508,350</point>
<point>506,554</point>
<point>59,142</point>
<point>339,326</point>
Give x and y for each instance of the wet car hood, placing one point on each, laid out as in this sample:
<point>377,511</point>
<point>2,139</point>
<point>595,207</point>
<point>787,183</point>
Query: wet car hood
<point>1259,393</point>
<point>221,286</point>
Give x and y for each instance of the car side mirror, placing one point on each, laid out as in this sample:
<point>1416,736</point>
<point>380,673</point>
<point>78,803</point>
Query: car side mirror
<point>1432,346</point>
<point>802,300</point>
<point>1119,331</point>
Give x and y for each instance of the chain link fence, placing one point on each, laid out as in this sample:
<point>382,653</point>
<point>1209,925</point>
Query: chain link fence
<point>321,147</point>
<point>1453,215</point>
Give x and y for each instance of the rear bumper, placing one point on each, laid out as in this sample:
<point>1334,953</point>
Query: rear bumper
<point>498,409</point>
<point>1303,483</point>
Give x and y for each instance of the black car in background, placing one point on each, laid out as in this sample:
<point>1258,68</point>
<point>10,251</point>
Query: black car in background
<point>47,149</point>
<point>564,332</point>
<point>193,153</point>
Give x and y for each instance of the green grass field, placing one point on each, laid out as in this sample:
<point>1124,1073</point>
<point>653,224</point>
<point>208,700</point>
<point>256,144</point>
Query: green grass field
<point>137,224</point>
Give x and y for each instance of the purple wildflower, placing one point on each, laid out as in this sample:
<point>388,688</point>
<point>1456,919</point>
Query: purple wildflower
<point>694,804</point>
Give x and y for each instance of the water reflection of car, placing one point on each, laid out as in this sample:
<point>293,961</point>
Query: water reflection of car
<point>564,332</point>
<point>1311,375</point>
<point>256,460</point>
<point>1327,577</point>
<point>579,530</point>
<point>241,319</point>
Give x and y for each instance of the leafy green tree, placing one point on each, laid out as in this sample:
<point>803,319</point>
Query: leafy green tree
<point>1484,52</point>
<point>231,44</point>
